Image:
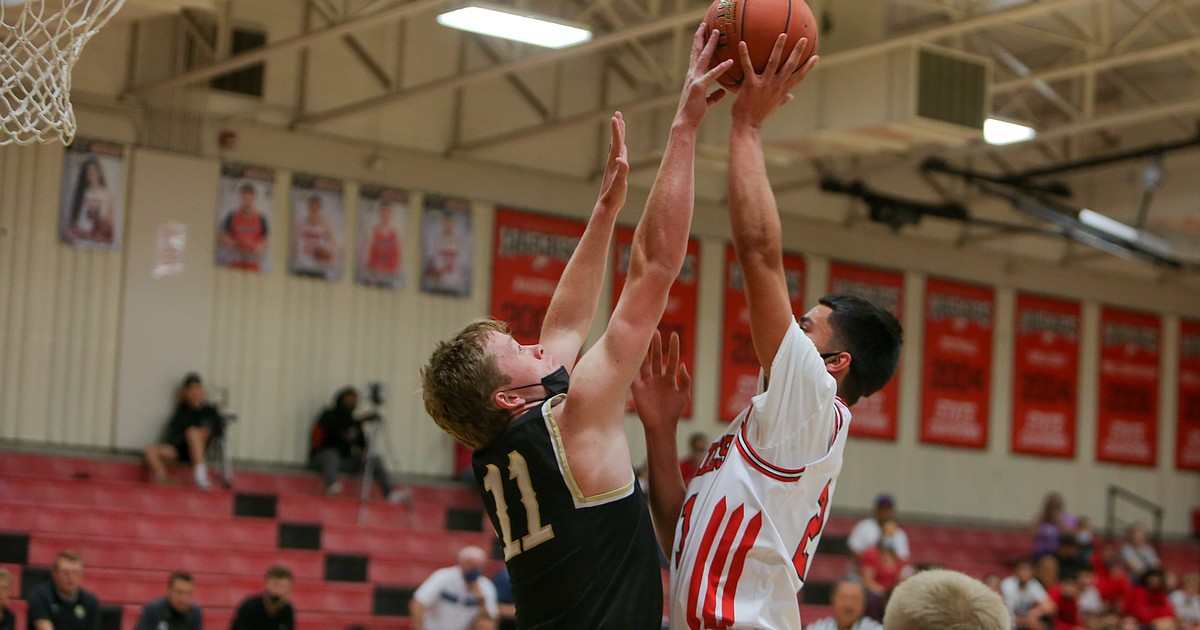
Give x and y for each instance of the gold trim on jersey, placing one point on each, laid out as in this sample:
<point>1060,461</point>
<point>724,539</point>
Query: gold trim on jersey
<point>564,466</point>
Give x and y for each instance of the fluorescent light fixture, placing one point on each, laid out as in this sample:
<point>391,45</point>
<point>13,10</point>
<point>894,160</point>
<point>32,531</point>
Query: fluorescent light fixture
<point>999,132</point>
<point>509,25</point>
<point>1108,226</point>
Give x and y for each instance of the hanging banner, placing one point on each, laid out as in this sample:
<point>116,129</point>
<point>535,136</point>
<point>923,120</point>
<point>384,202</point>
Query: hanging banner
<point>739,362</point>
<point>243,217</point>
<point>956,370</point>
<point>1127,413</point>
<point>1187,439</point>
<point>680,314</point>
<point>1045,369</point>
<point>92,203</point>
<point>318,227</point>
<point>876,415</point>
<point>446,246</point>
<point>529,254</point>
<point>382,230</point>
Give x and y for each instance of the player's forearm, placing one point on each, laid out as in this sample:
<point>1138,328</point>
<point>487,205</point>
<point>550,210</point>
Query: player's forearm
<point>660,243</point>
<point>753,214</point>
<point>667,489</point>
<point>578,292</point>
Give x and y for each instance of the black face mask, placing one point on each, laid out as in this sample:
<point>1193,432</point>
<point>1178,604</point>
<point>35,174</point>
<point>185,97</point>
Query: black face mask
<point>555,383</point>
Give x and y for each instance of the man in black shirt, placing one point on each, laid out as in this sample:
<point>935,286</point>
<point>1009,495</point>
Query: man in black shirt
<point>194,423</point>
<point>271,609</point>
<point>62,604</point>
<point>339,445</point>
<point>175,611</point>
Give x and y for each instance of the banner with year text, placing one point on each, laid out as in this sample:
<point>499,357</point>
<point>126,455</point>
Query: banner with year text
<point>1127,413</point>
<point>739,362</point>
<point>1187,439</point>
<point>529,253</point>
<point>1045,372</point>
<point>876,415</point>
<point>957,365</point>
<point>680,314</point>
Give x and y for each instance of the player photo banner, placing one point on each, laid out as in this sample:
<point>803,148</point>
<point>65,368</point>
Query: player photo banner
<point>529,253</point>
<point>876,415</point>
<point>1045,369</point>
<point>1187,441</point>
<point>956,370</point>
<point>382,228</point>
<point>739,362</point>
<point>243,217</point>
<point>92,204</point>
<point>680,314</point>
<point>318,227</point>
<point>1128,407</point>
<point>446,246</point>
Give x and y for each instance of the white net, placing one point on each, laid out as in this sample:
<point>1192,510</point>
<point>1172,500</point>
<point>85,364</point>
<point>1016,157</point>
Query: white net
<point>40,41</point>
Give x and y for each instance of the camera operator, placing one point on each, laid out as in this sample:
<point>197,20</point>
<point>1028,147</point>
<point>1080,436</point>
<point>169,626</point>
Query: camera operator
<point>339,445</point>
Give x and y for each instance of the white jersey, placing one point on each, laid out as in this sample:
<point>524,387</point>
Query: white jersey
<point>755,510</point>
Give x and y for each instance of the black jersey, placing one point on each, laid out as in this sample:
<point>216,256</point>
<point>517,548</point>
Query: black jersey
<point>575,562</point>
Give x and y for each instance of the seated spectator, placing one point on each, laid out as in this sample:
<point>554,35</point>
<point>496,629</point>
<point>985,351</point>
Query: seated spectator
<point>866,533</point>
<point>1149,604</point>
<point>63,603</point>
<point>1137,554</point>
<point>8,620</point>
<point>271,608</point>
<point>1091,604</point>
<point>1067,609</point>
<point>939,600</point>
<point>340,446</point>
<point>849,610</point>
<point>1111,579</point>
<point>192,426</point>
<point>1046,571</point>
<point>1070,556</point>
<point>1186,600</point>
<point>504,599</point>
<point>175,611</point>
<point>1085,537</point>
<point>698,445</point>
<point>992,581</point>
<point>880,568</point>
<point>1051,523</point>
<point>1028,602</point>
<point>457,597</point>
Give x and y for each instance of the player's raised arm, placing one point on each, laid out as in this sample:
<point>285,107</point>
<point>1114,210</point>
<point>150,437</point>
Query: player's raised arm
<point>753,214</point>
<point>569,317</point>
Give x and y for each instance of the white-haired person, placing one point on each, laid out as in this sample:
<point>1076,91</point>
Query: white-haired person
<point>456,598</point>
<point>939,599</point>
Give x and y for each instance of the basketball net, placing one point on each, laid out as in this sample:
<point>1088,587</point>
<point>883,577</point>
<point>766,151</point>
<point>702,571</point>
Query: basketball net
<point>40,41</point>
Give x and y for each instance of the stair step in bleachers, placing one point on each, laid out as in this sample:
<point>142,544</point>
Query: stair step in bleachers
<point>134,525</point>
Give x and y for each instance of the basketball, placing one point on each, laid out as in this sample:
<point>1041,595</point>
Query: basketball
<point>758,23</point>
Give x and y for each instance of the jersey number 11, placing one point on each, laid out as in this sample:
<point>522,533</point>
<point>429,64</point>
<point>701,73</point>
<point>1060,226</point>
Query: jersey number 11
<point>517,469</point>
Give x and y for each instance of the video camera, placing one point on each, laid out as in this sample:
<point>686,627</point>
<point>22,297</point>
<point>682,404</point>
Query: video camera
<point>375,393</point>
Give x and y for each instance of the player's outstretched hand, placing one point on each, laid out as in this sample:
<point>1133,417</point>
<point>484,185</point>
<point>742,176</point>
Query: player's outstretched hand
<point>616,170</point>
<point>762,93</point>
<point>661,391</point>
<point>696,100</point>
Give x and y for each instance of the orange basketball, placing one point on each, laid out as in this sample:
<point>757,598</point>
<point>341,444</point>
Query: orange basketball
<point>758,23</point>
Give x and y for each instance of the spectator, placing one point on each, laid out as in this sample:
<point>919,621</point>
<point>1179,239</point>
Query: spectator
<point>1051,523</point>
<point>1028,602</point>
<point>1085,536</point>
<point>697,452</point>
<point>1091,603</point>
<point>457,597</point>
<point>8,620</point>
<point>992,581</point>
<point>880,568</point>
<point>193,425</point>
<point>504,599</point>
<point>1046,571</point>
<point>1070,557</point>
<point>866,532</point>
<point>175,611</point>
<point>849,610</point>
<point>269,609</point>
<point>1148,603</point>
<point>339,445</point>
<point>62,603</point>
<point>1137,554</point>
<point>1111,579</point>
<point>1067,610</point>
<point>939,599</point>
<point>1186,600</point>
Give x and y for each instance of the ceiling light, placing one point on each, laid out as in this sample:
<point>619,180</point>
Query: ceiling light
<point>1108,226</point>
<point>510,25</point>
<point>999,132</point>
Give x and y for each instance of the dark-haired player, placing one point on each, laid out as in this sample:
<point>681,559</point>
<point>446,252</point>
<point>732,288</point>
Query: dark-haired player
<point>751,518</point>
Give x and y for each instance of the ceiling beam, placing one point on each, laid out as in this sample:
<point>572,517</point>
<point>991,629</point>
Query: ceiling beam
<point>1154,53</point>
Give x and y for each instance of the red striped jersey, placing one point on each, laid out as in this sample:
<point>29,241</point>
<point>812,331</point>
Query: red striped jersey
<point>755,510</point>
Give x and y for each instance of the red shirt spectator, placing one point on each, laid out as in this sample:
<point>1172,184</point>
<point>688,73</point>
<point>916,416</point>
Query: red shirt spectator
<point>1066,599</point>
<point>1149,600</point>
<point>697,452</point>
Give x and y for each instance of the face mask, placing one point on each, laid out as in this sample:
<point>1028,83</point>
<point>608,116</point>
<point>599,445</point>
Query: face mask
<point>555,383</point>
<point>470,575</point>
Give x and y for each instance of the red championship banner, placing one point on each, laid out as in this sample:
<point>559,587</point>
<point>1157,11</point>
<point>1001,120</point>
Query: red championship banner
<point>680,315</point>
<point>1128,409</point>
<point>1187,441</point>
<point>529,253</point>
<point>1045,370</point>
<point>956,371</point>
<point>739,362</point>
<point>876,415</point>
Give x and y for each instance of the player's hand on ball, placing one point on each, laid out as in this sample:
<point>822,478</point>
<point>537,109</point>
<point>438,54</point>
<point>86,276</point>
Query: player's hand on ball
<point>763,93</point>
<point>696,100</point>
<point>661,391</point>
